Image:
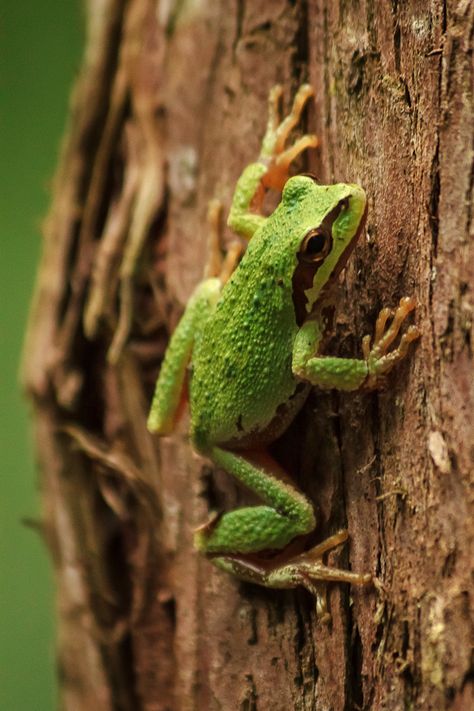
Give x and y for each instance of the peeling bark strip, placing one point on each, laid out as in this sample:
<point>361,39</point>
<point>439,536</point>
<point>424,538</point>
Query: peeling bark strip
<point>168,109</point>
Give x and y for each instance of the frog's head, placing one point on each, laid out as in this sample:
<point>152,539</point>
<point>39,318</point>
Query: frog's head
<point>328,220</point>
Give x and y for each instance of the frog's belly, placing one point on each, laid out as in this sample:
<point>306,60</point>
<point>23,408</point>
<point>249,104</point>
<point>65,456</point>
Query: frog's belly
<point>243,417</point>
<point>260,435</point>
<point>242,386</point>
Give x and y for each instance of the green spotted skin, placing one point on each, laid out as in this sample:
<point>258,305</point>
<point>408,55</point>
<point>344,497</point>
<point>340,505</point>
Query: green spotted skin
<point>237,387</point>
<point>242,373</point>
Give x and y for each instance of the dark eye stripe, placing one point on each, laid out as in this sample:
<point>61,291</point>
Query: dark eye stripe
<point>303,275</point>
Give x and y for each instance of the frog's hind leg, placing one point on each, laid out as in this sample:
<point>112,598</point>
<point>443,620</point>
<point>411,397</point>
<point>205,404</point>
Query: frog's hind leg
<point>170,386</point>
<point>234,540</point>
<point>287,513</point>
<point>217,265</point>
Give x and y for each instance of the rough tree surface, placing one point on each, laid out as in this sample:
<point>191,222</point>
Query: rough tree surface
<point>169,107</point>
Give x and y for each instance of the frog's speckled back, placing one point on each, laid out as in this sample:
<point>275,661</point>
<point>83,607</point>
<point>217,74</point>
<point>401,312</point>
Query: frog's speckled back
<point>237,362</point>
<point>241,363</point>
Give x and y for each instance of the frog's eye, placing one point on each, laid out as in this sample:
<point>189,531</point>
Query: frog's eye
<point>316,245</point>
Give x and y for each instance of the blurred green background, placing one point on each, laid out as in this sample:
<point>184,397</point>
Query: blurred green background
<point>40,51</point>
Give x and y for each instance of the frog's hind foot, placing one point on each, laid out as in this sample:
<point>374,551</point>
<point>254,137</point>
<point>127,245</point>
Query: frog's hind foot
<point>304,570</point>
<point>217,265</point>
<point>309,566</point>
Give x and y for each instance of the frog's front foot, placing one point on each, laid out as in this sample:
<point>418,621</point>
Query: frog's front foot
<point>274,152</point>
<point>379,361</point>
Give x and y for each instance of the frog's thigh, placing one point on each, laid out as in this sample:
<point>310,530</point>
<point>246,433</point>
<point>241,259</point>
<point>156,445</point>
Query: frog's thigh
<point>170,383</point>
<point>287,512</point>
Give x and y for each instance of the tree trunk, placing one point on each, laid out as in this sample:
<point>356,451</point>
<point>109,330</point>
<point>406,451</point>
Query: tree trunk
<point>169,107</point>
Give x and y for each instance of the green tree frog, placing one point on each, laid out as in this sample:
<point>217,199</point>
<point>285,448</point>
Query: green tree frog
<point>250,338</point>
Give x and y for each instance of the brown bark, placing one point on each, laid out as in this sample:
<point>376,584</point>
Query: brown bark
<point>169,107</point>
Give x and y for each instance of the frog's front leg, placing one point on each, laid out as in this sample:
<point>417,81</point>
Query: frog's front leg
<point>271,169</point>
<point>352,373</point>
